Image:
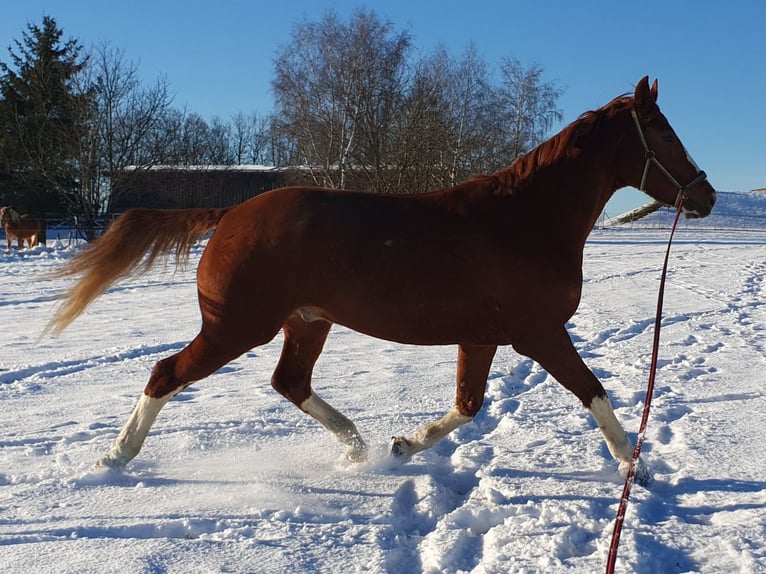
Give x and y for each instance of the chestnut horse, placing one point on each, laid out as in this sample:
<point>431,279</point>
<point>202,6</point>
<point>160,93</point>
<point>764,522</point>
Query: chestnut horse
<point>496,260</point>
<point>19,227</point>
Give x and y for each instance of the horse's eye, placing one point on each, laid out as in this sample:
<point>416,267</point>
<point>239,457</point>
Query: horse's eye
<point>668,139</point>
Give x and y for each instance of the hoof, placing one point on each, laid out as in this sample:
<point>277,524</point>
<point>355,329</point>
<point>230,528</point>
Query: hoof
<point>111,463</point>
<point>642,475</point>
<point>400,448</point>
<point>356,455</point>
<point>356,451</point>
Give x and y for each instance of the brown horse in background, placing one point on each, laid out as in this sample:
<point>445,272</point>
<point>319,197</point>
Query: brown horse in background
<point>496,260</point>
<point>20,227</point>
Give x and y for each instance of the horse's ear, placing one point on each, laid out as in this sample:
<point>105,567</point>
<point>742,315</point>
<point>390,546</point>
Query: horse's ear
<point>645,97</point>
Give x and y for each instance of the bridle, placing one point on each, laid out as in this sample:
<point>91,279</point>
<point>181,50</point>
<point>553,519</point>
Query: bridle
<point>651,159</point>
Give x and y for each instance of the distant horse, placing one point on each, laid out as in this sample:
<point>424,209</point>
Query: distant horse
<point>496,260</point>
<point>20,227</point>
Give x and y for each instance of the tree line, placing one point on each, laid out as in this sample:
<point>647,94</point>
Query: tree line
<point>355,106</point>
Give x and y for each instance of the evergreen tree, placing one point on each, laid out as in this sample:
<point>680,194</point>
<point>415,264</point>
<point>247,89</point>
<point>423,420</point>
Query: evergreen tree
<point>38,126</point>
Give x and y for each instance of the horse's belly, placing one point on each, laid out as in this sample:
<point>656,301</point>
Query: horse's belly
<point>473,314</point>
<point>426,324</point>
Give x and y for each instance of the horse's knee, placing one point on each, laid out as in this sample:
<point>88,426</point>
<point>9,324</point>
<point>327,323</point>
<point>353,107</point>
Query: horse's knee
<point>473,366</point>
<point>469,404</point>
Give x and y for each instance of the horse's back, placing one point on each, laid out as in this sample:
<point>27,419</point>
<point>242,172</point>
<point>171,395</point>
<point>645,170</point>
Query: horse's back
<point>341,232</point>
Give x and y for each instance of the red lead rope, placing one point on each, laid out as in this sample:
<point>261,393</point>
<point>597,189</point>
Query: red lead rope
<point>649,390</point>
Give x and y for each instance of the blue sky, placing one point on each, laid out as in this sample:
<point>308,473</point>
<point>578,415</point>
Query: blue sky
<point>708,56</point>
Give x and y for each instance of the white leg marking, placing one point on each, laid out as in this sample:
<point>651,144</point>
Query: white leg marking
<point>617,441</point>
<point>127,444</point>
<point>337,424</point>
<point>429,435</point>
<point>614,435</point>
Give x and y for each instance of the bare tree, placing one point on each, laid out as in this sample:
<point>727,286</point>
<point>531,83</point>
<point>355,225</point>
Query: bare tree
<point>360,113</point>
<point>423,127</point>
<point>219,144</point>
<point>241,135</point>
<point>163,143</point>
<point>249,139</point>
<point>115,127</point>
<point>280,148</point>
<point>335,86</point>
<point>382,82</point>
<point>261,147</point>
<point>472,115</point>
<point>526,107</point>
<point>193,140</point>
<point>444,132</point>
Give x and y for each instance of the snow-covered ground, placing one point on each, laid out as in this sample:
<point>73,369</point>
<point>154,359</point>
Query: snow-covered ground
<point>234,479</point>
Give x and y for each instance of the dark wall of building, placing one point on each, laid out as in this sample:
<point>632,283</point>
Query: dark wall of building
<point>181,188</point>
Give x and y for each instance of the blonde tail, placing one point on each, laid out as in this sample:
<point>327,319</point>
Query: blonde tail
<point>119,253</point>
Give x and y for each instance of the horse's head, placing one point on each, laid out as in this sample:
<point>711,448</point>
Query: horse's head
<point>8,215</point>
<point>669,173</point>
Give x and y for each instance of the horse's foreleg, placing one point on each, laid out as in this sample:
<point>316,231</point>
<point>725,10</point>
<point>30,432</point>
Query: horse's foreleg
<point>473,366</point>
<point>557,355</point>
<point>303,344</point>
<point>616,439</point>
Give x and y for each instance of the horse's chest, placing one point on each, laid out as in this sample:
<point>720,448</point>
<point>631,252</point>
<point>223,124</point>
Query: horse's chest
<point>549,298</point>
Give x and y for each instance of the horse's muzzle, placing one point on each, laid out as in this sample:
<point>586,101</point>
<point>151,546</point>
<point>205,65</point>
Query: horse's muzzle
<point>696,207</point>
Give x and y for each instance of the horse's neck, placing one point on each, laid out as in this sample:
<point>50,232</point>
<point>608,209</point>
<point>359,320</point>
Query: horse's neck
<point>571,190</point>
<point>567,193</point>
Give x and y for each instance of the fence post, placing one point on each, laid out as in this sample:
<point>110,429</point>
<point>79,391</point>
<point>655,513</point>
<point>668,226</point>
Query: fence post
<point>42,237</point>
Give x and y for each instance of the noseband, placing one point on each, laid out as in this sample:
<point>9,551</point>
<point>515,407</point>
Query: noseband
<point>683,190</point>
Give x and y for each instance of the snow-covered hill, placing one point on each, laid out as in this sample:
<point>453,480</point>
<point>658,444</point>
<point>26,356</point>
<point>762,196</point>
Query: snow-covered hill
<point>740,210</point>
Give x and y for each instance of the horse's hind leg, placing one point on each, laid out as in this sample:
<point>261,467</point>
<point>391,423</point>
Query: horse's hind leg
<point>169,377</point>
<point>303,344</point>
<point>473,366</point>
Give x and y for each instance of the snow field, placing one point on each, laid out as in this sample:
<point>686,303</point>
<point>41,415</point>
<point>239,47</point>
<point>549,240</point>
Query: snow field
<point>233,478</point>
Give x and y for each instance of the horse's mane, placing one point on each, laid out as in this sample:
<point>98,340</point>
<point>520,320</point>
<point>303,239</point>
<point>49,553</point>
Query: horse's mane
<point>565,144</point>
